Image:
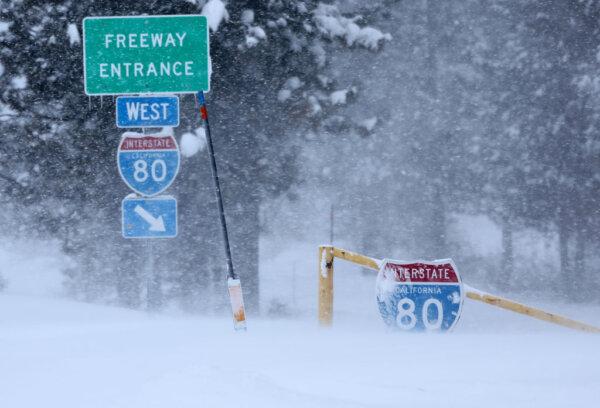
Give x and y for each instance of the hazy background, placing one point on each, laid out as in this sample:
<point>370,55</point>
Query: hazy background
<point>427,129</point>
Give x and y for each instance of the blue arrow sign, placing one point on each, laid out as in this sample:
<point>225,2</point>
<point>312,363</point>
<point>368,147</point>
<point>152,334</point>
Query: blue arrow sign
<point>147,111</point>
<point>149,217</point>
<point>148,164</point>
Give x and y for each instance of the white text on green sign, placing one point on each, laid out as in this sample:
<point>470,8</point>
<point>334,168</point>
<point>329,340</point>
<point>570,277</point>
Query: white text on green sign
<point>146,54</point>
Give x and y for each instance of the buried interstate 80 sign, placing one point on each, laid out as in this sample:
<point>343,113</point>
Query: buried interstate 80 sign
<point>419,295</point>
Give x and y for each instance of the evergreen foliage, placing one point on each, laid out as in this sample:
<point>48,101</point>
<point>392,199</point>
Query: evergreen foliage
<point>269,84</point>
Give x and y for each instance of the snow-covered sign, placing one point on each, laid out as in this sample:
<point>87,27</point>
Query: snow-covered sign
<point>149,217</point>
<point>146,54</point>
<point>148,164</point>
<point>419,295</point>
<point>147,111</point>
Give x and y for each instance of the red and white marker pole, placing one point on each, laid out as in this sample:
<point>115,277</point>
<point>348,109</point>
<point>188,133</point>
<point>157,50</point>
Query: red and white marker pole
<point>233,282</point>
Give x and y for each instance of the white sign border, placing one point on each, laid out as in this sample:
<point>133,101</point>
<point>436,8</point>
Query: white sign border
<point>137,197</point>
<point>146,96</point>
<point>435,262</point>
<point>176,170</point>
<point>145,93</point>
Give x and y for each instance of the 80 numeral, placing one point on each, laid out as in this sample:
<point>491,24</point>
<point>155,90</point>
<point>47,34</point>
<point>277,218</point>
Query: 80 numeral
<point>158,170</point>
<point>407,320</point>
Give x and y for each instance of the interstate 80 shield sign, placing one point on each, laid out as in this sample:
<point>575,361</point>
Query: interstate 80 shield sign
<point>148,164</point>
<point>419,295</point>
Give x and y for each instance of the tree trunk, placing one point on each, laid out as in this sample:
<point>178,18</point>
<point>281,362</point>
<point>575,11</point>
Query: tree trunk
<point>128,275</point>
<point>437,235</point>
<point>563,248</point>
<point>506,269</point>
<point>580,276</point>
<point>439,225</point>
<point>199,242</point>
<point>154,296</point>
<point>245,233</point>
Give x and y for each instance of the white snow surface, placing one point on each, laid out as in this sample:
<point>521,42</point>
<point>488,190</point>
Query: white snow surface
<point>215,12</point>
<point>247,16</point>
<point>257,32</point>
<point>164,131</point>
<point>32,272</point>
<point>67,354</point>
<point>19,82</point>
<point>192,143</point>
<point>283,95</point>
<point>251,41</point>
<point>73,34</point>
<point>290,85</point>
<point>339,97</point>
<point>58,353</point>
<point>293,83</point>
<point>369,124</point>
<point>332,23</point>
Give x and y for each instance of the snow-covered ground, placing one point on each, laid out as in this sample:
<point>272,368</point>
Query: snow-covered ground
<point>65,354</point>
<point>57,353</point>
<point>32,267</point>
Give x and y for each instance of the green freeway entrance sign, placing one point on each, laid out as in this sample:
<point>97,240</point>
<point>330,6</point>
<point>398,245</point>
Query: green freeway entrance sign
<point>145,54</point>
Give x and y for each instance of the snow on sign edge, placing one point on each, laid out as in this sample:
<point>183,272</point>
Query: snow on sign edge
<point>209,60</point>
<point>164,132</point>
<point>387,286</point>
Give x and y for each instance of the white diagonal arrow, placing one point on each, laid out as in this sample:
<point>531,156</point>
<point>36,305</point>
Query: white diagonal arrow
<point>156,224</point>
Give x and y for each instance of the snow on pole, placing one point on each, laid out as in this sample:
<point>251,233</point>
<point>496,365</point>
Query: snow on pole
<point>233,283</point>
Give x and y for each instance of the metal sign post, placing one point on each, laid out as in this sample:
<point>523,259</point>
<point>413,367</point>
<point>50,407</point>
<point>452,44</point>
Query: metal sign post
<point>233,282</point>
<point>153,55</point>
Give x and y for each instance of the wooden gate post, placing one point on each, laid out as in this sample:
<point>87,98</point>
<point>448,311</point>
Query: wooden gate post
<point>328,253</point>
<point>325,286</point>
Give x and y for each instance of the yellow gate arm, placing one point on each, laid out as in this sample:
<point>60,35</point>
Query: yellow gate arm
<point>497,301</point>
<point>328,253</point>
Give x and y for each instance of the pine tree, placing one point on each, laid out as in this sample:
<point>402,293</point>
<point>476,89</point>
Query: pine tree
<point>540,172</point>
<point>269,83</point>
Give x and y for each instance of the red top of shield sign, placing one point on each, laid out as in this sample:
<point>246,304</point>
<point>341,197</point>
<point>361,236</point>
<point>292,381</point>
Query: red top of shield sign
<point>422,272</point>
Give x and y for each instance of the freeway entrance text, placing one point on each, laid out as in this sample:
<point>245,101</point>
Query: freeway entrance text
<point>146,54</point>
